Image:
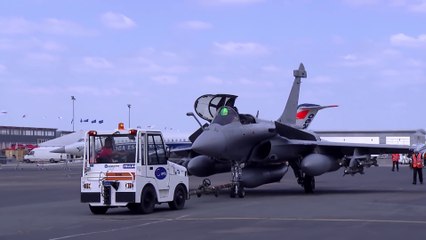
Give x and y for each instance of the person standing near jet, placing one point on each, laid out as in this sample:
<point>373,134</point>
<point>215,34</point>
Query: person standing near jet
<point>417,165</point>
<point>395,162</point>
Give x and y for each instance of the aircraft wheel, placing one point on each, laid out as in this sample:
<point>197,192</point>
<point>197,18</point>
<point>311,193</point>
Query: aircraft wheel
<point>178,199</point>
<point>309,184</point>
<point>241,192</point>
<point>148,199</point>
<point>98,210</point>
<point>234,190</point>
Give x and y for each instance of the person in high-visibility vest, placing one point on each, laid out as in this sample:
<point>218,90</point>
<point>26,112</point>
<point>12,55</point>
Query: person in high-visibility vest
<point>417,165</point>
<point>395,161</point>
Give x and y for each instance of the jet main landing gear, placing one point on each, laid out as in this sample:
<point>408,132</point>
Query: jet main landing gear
<point>236,187</point>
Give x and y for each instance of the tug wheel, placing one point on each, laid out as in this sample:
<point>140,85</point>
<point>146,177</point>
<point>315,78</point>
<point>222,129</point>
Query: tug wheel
<point>178,198</point>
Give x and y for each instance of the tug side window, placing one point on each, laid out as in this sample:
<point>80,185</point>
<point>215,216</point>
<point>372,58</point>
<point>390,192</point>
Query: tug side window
<point>156,151</point>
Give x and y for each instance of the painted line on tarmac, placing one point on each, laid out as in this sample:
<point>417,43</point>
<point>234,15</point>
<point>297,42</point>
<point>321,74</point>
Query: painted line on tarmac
<point>307,219</point>
<point>186,218</point>
<point>111,230</point>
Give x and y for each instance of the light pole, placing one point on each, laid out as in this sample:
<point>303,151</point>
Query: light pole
<point>73,100</point>
<point>129,105</point>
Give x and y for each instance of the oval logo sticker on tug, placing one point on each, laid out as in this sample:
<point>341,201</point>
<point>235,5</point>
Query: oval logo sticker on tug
<point>160,173</point>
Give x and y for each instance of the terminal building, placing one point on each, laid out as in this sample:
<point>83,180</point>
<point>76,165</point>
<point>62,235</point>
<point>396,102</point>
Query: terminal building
<point>17,141</point>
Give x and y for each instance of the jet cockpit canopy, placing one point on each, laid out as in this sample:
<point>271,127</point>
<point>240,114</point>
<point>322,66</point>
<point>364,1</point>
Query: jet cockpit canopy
<point>226,115</point>
<point>208,105</point>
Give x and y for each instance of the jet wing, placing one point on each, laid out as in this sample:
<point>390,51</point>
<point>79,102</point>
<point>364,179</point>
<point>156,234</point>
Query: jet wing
<point>348,149</point>
<point>302,138</point>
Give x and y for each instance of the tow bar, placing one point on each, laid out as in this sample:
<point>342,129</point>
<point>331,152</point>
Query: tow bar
<point>206,188</point>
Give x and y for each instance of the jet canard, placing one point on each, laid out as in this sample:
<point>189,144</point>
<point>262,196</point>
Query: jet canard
<point>258,151</point>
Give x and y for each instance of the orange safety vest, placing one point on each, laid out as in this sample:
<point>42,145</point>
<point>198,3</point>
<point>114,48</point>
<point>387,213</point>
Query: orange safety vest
<point>395,157</point>
<point>417,161</point>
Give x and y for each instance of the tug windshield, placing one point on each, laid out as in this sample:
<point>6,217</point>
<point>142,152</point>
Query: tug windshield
<point>112,149</point>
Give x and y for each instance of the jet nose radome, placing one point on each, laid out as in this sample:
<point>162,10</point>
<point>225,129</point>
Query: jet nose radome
<point>210,142</point>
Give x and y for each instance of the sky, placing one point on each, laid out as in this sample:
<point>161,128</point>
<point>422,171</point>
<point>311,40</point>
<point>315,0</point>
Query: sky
<point>367,56</point>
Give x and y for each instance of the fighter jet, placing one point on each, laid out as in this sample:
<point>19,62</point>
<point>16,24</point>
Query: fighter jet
<point>258,152</point>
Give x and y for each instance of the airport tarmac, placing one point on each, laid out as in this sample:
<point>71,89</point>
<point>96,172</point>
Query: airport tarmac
<point>44,203</point>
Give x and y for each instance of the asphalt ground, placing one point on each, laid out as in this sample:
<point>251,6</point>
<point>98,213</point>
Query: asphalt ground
<point>44,203</point>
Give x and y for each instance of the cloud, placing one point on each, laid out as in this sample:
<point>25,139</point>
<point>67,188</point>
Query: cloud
<point>40,58</point>
<point>403,40</point>
<point>97,62</point>
<point>362,2</point>
<point>117,21</point>
<point>229,2</point>
<point>52,46</point>
<point>213,80</point>
<point>239,48</point>
<point>2,68</point>
<point>322,80</point>
<point>352,60</point>
<point>22,26</point>
<point>195,25</point>
<point>270,69</point>
<point>16,26</point>
<point>96,91</point>
<point>33,44</point>
<point>252,83</point>
<point>421,7</point>
<point>166,79</point>
<point>63,27</point>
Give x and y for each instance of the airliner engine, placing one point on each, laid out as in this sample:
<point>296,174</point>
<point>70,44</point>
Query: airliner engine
<point>316,164</point>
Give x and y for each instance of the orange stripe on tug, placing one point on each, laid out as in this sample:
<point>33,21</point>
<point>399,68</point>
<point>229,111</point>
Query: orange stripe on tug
<point>119,176</point>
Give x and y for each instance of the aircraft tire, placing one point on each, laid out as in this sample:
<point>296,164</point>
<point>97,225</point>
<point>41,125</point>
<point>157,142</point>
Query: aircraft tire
<point>233,192</point>
<point>98,210</point>
<point>309,184</point>
<point>148,200</point>
<point>178,198</point>
<point>241,192</point>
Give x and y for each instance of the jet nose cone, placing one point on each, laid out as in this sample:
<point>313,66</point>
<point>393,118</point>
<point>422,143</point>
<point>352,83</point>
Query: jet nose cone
<point>210,143</point>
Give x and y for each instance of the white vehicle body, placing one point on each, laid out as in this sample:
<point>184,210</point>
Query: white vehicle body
<point>43,154</point>
<point>137,174</point>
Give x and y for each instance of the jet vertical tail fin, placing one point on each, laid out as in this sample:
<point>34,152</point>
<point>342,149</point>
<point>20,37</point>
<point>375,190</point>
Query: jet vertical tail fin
<point>306,113</point>
<point>289,114</point>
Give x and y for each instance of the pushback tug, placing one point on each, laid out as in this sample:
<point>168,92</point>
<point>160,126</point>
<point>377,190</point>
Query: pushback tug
<point>130,168</point>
